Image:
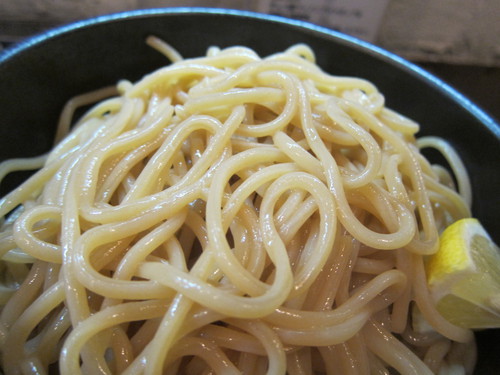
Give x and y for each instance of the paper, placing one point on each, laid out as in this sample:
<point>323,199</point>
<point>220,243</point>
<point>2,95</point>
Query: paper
<point>359,18</point>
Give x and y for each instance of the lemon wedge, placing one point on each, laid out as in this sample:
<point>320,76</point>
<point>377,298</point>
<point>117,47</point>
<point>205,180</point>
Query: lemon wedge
<point>464,276</point>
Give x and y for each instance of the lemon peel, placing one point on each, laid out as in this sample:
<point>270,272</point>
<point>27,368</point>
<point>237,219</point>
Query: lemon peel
<point>464,276</point>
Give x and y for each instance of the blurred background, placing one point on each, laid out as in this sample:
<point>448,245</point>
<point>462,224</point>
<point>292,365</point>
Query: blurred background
<point>458,40</point>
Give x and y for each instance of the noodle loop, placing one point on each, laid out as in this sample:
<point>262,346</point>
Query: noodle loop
<point>230,214</point>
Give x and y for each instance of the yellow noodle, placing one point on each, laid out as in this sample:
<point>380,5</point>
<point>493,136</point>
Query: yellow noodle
<point>229,214</point>
<point>456,164</point>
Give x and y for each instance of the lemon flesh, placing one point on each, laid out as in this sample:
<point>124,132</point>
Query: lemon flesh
<point>464,276</point>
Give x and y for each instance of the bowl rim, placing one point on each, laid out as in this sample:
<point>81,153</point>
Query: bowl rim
<point>389,57</point>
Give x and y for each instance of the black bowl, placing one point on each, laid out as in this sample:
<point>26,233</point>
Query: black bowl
<point>40,74</point>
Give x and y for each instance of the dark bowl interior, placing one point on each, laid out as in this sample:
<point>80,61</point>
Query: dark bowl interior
<point>39,75</point>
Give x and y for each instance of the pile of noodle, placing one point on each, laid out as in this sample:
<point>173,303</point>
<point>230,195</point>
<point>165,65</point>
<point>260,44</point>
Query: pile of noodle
<point>231,214</point>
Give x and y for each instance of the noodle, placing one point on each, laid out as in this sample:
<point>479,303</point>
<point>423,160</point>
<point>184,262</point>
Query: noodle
<point>230,214</point>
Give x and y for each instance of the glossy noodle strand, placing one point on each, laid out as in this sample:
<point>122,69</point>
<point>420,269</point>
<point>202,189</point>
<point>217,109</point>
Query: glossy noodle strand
<point>230,214</point>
